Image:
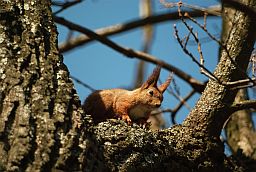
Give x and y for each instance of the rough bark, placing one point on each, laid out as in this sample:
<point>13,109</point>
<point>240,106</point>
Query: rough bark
<point>212,110</point>
<point>239,128</point>
<point>42,127</point>
<point>240,131</point>
<point>40,112</point>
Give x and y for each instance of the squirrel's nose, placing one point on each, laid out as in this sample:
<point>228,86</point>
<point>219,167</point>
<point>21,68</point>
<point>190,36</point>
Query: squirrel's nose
<point>158,105</point>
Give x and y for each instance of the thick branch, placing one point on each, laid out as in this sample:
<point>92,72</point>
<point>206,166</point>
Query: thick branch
<point>206,117</point>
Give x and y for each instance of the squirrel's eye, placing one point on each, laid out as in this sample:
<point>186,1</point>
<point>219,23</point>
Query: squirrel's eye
<point>151,92</point>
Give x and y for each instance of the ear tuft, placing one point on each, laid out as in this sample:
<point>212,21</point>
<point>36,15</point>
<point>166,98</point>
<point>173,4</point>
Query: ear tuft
<point>152,79</point>
<point>165,85</point>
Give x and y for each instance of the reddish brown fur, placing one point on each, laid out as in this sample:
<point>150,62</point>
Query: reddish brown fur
<point>131,106</point>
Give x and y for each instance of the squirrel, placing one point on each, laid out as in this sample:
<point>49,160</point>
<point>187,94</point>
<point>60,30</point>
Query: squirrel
<point>130,106</point>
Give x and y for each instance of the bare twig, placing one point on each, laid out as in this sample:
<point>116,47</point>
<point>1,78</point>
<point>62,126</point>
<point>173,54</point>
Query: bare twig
<point>246,104</point>
<point>207,73</point>
<point>220,44</point>
<point>179,106</point>
<point>187,39</point>
<point>82,83</point>
<point>212,11</point>
<point>183,102</point>
<point>179,98</point>
<point>119,28</point>
<point>187,15</point>
<point>65,5</point>
<point>203,69</point>
<point>205,21</point>
<point>175,87</point>
<point>202,40</point>
<point>244,83</point>
<point>197,85</point>
<point>161,111</point>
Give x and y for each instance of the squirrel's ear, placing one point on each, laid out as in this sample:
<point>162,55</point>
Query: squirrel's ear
<point>164,86</point>
<point>152,79</point>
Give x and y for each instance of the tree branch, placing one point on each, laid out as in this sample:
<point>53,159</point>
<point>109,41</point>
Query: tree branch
<point>241,7</point>
<point>209,114</point>
<point>197,85</point>
<point>244,83</point>
<point>246,104</point>
<point>65,5</point>
<point>119,28</point>
<point>82,83</point>
<point>179,106</point>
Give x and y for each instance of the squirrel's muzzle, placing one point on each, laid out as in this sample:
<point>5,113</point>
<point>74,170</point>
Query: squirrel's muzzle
<point>158,105</point>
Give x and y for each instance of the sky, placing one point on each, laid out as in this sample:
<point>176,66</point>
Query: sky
<point>102,68</point>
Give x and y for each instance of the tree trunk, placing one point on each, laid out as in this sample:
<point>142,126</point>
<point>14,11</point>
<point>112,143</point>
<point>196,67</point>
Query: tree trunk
<point>40,113</point>
<point>42,127</point>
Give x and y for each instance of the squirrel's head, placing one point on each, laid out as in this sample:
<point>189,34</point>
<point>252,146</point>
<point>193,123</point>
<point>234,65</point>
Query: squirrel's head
<point>152,94</point>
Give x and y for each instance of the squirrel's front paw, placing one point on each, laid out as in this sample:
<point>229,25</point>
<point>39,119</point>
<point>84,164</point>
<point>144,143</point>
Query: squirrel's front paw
<point>143,122</point>
<point>127,119</point>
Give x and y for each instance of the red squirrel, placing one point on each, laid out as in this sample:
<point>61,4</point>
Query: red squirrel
<point>130,106</point>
